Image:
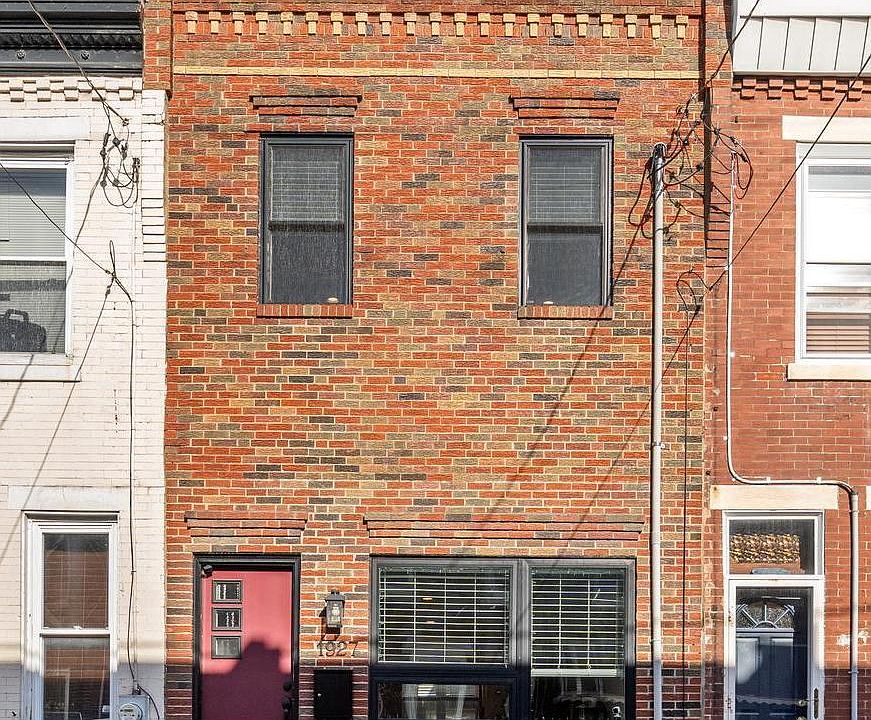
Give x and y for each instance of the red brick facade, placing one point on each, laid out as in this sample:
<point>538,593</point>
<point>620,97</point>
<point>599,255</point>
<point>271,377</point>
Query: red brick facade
<point>784,429</point>
<point>433,415</point>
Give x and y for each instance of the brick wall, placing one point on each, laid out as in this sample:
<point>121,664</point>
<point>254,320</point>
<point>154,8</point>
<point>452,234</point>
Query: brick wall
<point>433,416</point>
<point>798,429</point>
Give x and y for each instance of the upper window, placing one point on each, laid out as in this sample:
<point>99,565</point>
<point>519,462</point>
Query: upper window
<point>71,619</point>
<point>306,211</point>
<point>566,218</point>
<point>33,265</point>
<point>491,640</point>
<point>835,253</point>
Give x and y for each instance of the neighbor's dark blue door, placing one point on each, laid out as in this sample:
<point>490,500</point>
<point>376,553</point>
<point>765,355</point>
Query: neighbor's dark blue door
<point>772,653</point>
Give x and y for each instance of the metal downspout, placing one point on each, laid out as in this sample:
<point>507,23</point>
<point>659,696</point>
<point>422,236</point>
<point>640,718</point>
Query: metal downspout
<point>656,434</point>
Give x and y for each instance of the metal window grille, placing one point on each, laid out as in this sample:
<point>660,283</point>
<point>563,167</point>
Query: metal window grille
<point>565,229</point>
<point>443,615</point>
<point>307,230</point>
<point>578,622</point>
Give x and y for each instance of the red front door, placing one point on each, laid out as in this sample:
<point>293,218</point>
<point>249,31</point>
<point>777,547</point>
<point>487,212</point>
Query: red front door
<point>246,652</point>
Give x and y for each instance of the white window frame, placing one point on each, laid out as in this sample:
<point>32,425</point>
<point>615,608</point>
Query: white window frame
<point>816,583</point>
<point>822,154</point>
<point>34,632</point>
<point>50,157</point>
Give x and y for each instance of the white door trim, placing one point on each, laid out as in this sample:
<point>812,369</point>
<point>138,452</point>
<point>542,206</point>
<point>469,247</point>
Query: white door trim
<point>816,637</point>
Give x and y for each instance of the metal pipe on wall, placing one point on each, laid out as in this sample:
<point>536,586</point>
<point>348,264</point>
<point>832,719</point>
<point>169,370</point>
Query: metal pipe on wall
<point>656,432</point>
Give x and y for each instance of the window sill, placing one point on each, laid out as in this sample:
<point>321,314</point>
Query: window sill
<point>328,310</point>
<point>829,370</point>
<point>565,312</point>
<point>25,367</point>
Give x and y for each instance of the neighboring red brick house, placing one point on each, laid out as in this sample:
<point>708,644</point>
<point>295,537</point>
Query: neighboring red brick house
<point>778,613</point>
<point>409,340</point>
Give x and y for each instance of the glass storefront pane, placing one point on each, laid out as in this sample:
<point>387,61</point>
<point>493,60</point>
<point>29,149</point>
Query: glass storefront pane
<point>578,698</point>
<point>76,678</point>
<point>75,580</point>
<point>442,701</point>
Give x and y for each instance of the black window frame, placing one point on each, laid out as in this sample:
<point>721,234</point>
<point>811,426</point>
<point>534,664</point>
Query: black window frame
<point>517,673</point>
<point>606,145</point>
<point>267,142</point>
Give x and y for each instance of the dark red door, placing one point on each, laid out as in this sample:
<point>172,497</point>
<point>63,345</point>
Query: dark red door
<point>246,652</point>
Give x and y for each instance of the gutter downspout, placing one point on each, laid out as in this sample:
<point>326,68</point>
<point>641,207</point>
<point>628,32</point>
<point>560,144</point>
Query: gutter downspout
<point>656,434</point>
<point>735,475</point>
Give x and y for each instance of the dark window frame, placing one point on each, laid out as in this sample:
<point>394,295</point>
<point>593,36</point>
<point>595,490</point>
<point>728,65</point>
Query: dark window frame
<point>606,144</point>
<point>517,672</point>
<point>267,142</point>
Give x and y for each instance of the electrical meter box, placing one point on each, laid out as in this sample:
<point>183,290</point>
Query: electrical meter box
<point>132,707</point>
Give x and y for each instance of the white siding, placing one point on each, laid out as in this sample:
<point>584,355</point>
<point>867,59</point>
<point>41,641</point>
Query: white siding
<point>801,37</point>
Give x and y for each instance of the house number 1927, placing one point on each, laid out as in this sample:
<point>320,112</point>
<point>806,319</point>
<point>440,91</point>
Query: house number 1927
<point>337,648</point>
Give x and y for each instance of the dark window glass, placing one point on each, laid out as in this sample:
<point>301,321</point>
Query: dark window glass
<point>442,701</point>
<point>578,643</point>
<point>306,207</point>
<point>76,678</point>
<point>566,222</point>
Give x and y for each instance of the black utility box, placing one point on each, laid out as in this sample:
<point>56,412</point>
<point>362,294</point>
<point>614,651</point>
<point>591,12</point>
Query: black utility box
<point>333,694</point>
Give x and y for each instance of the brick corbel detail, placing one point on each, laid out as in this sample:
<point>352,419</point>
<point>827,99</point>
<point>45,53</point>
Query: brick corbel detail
<point>307,102</point>
<point>245,523</point>
<point>497,526</point>
<point>434,21</point>
<point>775,88</point>
<point>599,106</point>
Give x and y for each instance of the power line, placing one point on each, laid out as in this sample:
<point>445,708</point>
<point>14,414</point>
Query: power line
<point>799,165</point>
<point>731,45</point>
<point>108,109</point>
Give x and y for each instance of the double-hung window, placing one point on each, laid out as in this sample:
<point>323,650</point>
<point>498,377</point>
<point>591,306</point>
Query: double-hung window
<point>306,220</point>
<point>70,618</point>
<point>499,639</point>
<point>33,262</point>
<point>834,263</point>
<point>566,222</point>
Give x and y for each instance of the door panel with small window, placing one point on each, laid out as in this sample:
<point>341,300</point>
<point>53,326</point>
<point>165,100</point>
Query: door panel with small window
<point>246,643</point>
<point>771,668</point>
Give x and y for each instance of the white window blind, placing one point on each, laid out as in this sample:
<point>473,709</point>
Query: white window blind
<point>443,615</point>
<point>33,269</point>
<point>578,622</point>
<point>836,269</point>
<point>565,223</point>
